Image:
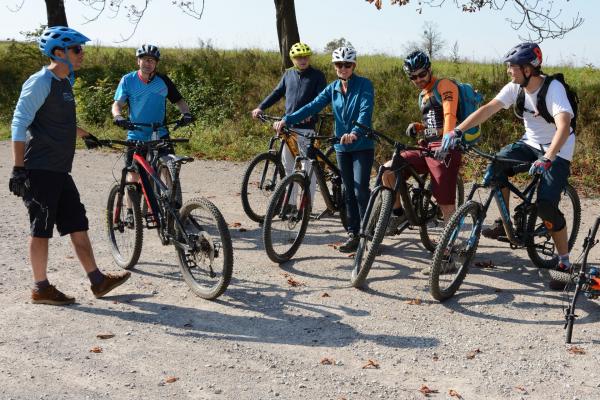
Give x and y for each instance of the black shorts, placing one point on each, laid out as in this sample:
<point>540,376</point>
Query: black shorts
<point>163,151</point>
<point>54,200</point>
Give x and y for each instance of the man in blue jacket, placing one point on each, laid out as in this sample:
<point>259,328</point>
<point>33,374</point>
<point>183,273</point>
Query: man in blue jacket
<point>44,129</point>
<point>300,85</point>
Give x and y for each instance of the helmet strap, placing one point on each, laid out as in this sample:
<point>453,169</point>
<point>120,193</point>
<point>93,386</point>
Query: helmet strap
<point>66,61</point>
<point>526,78</point>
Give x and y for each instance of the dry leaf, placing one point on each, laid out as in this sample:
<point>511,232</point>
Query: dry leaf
<point>291,281</point>
<point>485,264</point>
<point>371,364</point>
<point>351,255</point>
<point>521,389</point>
<point>325,294</point>
<point>471,355</point>
<point>327,361</point>
<point>96,349</point>
<point>235,224</point>
<point>414,302</point>
<point>171,379</point>
<point>435,357</point>
<point>427,391</point>
<point>454,393</point>
<point>105,335</point>
<point>576,350</point>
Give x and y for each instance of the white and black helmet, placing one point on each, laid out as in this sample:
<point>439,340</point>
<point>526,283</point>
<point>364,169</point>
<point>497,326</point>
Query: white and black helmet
<point>148,50</point>
<point>344,54</point>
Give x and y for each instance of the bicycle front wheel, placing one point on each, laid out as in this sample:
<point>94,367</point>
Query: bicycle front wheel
<point>207,263</point>
<point>432,228</point>
<point>287,218</point>
<point>124,225</point>
<point>368,247</point>
<point>540,249</point>
<point>261,177</point>
<point>455,251</point>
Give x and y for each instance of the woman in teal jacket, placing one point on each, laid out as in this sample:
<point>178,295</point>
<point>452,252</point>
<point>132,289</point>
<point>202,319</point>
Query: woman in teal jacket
<point>351,99</point>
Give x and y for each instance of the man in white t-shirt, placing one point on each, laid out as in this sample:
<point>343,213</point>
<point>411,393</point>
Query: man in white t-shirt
<point>557,139</point>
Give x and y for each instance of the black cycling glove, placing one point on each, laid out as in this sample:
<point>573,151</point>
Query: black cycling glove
<point>91,141</point>
<point>186,119</point>
<point>19,181</point>
<point>124,123</point>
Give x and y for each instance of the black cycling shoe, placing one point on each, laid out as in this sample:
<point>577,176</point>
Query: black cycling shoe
<point>350,245</point>
<point>495,231</point>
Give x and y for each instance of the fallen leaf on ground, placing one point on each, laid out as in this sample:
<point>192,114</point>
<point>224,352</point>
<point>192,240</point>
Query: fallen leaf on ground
<point>171,379</point>
<point>291,281</point>
<point>96,349</point>
<point>576,350</point>
<point>235,224</point>
<point>435,357</point>
<point>105,335</point>
<point>521,389</point>
<point>454,393</point>
<point>325,295</point>
<point>471,355</point>
<point>327,361</point>
<point>414,302</point>
<point>427,391</point>
<point>485,264</point>
<point>371,364</point>
<point>351,255</point>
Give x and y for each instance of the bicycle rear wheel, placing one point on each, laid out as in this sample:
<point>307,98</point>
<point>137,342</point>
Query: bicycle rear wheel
<point>207,265</point>
<point>455,251</point>
<point>287,218</point>
<point>261,177</point>
<point>547,256</point>
<point>124,225</point>
<point>432,229</point>
<point>368,247</point>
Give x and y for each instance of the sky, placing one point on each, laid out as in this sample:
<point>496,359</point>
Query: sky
<point>236,24</point>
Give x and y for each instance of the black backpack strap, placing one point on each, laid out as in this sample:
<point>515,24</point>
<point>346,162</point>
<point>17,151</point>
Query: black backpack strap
<point>541,99</point>
<point>520,103</point>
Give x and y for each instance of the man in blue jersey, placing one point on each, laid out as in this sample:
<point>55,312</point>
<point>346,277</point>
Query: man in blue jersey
<point>44,130</point>
<point>145,92</point>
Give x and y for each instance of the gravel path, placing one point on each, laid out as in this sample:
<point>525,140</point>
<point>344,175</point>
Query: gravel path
<point>500,337</point>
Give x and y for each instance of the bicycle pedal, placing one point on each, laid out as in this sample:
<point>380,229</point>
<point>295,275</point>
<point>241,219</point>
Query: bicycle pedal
<point>548,249</point>
<point>151,223</point>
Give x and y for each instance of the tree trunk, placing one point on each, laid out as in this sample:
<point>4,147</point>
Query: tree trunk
<point>55,9</point>
<point>287,29</point>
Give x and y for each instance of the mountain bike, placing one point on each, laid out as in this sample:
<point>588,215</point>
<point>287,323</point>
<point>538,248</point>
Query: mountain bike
<point>460,238</point>
<point>420,208</point>
<point>197,229</point>
<point>289,209</point>
<point>266,170</point>
<point>587,280</point>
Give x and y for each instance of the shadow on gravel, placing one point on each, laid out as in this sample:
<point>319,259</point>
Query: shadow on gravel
<point>274,316</point>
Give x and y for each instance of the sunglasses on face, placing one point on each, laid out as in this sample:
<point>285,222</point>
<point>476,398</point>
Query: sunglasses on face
<point>422,74</point>
<point>76,49</point>
<point>343,64</point>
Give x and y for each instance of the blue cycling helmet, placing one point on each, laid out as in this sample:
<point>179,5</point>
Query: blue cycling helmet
<point>525,53</point>
<point>59,37</point>
<point>148,50</point>
<point>415,61</point>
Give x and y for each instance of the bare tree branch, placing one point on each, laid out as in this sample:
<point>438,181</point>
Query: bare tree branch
<point>17,7</point>
<point>536,16</point>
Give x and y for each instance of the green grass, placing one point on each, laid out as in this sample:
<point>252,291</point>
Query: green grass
<point>223,86</point>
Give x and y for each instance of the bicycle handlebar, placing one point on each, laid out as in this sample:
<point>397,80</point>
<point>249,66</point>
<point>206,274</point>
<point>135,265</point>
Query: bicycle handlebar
<point>494,157</point>
<point>375,135</point>
<point>141,143</point>
<point>155,125</point>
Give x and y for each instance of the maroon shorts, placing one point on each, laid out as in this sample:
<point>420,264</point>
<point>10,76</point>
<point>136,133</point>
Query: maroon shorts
<point>444,174</point>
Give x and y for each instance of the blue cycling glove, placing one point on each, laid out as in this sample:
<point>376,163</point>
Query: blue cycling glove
<point>540,166</point>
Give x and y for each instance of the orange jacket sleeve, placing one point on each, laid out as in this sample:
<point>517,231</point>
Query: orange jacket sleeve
<point>449,94</point>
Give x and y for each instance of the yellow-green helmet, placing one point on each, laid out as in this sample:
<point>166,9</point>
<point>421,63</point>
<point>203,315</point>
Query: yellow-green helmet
<point>300,50</point>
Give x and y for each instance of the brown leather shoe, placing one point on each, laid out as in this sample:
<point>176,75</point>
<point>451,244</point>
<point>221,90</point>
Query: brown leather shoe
<point>110,282</point>
<point>51,295</point>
